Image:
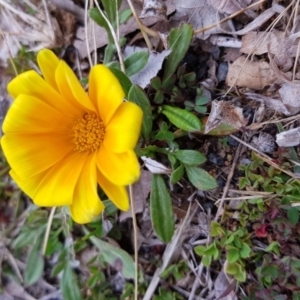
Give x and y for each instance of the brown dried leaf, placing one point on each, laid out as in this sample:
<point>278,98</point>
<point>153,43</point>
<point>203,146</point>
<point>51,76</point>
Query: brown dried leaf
<point>224,112</point>
<point>250,74</point>
<point>141,190</point>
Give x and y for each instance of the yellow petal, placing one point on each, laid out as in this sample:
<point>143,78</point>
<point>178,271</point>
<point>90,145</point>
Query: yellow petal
<point>29,114</point>
<point>30,154</point>
<point>105,91</point>
<point>117,194</point>
<point>48,62</point>
<point>123,130</point>
<point>32,84</point>
<point>119,168</point>
<point>70,87</point>
<point>86,202</point>
<point>54,187</point>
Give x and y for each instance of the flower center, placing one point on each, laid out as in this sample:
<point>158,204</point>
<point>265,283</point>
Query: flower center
<point>88,133</point>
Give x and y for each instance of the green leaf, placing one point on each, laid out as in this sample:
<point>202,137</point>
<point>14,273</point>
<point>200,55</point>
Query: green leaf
<point>236,270</point>
<point>293,215</point>
<point>138,96</point>
<point>98,18</point>
<point>181,118</point>
<point>179,42</point>
<point>124,80</point>
<point>200,179</point>
<point>177,174</point>
<point>161,209</point>
<point>190,157</point>
<point>156,83</point>
<point>233,254</point>
<point>69,285</point>
<point>216,229</point>
<point>124,15</point>
<point>111,8</point>
<point>245,251</point>
<point>136,62</point>
<point>115,257</point>
<point>206,260</point>
<point>109,53</point>
<point>34,267</point>
<point>200,250</point>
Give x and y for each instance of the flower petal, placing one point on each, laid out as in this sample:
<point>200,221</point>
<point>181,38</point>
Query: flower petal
<point>123,130</point>
<point>54,187</point>
<point>105,91</point>
<point>86,204</point>
<point>117,194</point>
<point>119,168</point>
<point>48,62</point>
<point>70,87</point>
<point>29,114</point>
<point>30,154</point>
<point>32,84</point>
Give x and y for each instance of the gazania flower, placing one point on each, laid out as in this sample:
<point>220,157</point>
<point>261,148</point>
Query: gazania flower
<point>60,141</point>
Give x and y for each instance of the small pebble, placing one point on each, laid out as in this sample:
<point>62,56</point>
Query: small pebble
<point>232,142</point>
<point>216,159</point>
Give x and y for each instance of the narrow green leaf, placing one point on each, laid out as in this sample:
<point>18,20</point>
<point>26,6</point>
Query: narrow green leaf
<point>179,42</point>
<point>181,118</point>
<point>109,53</point>
<point>161,209</point>
<point>96,16</point>
<point>115,257</point>
<point>111,7</point>
<point>138,96</point>
<point>69,286</point>
<point>190,157</point>
<point>125,15</point>
<point>293,215</point>
<point>200,178</point>
<point>136,62</point>
<point>124,80</point>
<point>34,266</point>
<point>177,174</point>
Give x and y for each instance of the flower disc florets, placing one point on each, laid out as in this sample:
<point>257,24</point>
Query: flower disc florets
<point>88,133</point>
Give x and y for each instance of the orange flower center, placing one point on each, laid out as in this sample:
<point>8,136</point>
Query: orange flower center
<point>88,133</point>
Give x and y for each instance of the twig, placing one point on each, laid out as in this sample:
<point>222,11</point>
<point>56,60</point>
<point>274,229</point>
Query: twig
<point>135,242</point>
<point>227,18</point>
<point>230,175</point>
<point>145,36</point>
<point>265,158</point>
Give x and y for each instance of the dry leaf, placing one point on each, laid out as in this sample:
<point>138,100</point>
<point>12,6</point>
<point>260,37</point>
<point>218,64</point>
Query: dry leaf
<point>155,167</point>
<point>224,112</point>
<point>265,142</point>
<point>250,74</point>
<point>289,138</point>
<point>276,41</point>
<point>290,94</point>
<point>275,104</point>
<point>141,190</point>
<point>200,14</point>
<point>231,6</point>
<point>154,64</point>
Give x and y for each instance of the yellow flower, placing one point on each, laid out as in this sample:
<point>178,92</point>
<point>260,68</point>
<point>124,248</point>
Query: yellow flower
<point>60,141</point>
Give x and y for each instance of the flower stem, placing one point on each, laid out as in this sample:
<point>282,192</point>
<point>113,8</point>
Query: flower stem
<point>47,233</point>
<point>135,233</point>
